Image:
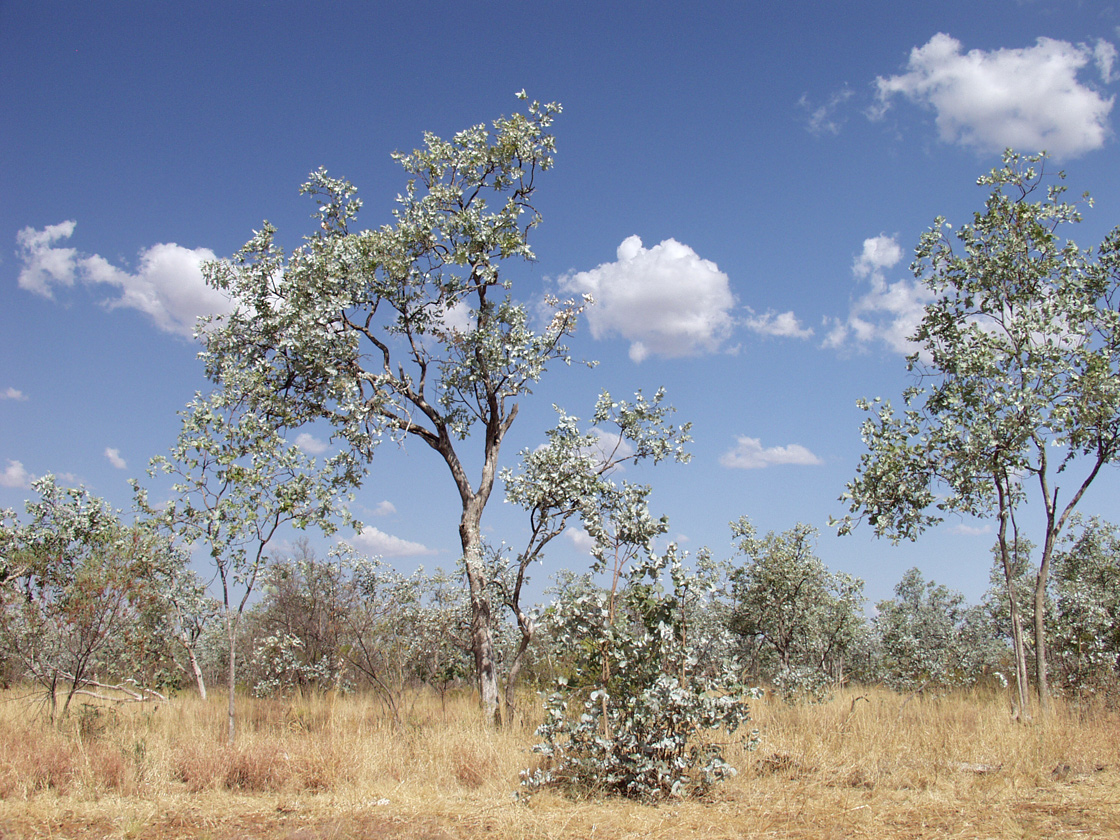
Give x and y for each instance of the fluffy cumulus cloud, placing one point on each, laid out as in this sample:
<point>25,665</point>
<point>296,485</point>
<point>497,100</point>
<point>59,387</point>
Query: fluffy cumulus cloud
<point>664,300</point>
<point>385,508</point>
<point>750,454</point>
<point>376,541</point>
<point>1029,99</point>
<point>14,475</point>
<point>885,312</point>
<point>167,284</point>
<point>13,394</point>
<point>114,457</point>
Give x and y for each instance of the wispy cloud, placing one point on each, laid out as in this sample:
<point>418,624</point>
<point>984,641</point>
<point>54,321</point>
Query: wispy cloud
<point>826,118</point>
<point>971,530</point>
<point>779,324</point>
<point>13,394</point>
<point>376,541</point>
<point>385,508</point>
<point>1029,98</point>
<point>167,285</point>
<point>580,539</point>
<point>884,312</point>
<point>665,300</point>
<point>114,456</point>
<point>750,454</point>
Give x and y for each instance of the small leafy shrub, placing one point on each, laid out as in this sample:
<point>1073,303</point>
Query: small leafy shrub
<point>641,747</point>
<point>639,729</point>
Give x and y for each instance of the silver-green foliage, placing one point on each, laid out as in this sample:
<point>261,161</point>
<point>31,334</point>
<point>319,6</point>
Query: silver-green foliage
<point>1018,380</point>
<point>632,718</point>
<point>798,621</point>
<point>1086,624</point>
<point>79,588</point>
<point>931,638</point>
<point>410,330</point>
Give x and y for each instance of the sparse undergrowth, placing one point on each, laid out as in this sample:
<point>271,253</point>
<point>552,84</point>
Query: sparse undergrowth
<point>865,764</point>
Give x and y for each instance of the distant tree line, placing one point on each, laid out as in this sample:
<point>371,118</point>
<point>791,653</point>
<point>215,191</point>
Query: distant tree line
<point>93,606</point>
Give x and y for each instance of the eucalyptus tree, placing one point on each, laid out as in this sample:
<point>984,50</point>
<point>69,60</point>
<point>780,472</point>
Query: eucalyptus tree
<point>237,483</point>
<point>931,637</point>
<point>1086,594</point>
<point>410,330</point>
<point>571,477</point>
<point>796,614</point>
<point>1018,382</point>
<point>76,580</point>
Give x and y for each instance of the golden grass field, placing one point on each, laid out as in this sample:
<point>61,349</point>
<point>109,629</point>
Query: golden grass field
<point>324,767</point>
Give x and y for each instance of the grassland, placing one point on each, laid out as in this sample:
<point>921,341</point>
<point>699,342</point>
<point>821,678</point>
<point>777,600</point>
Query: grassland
<point>867,764</point>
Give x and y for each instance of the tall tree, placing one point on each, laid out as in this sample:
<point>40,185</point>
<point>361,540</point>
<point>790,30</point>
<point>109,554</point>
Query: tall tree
<point>1018,382</point>
<point>409,330</point>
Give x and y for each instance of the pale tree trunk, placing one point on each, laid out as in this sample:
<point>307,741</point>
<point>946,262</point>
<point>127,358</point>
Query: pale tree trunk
<point>1022,711</point>
<point>482,636</point>
<point>231,631</point>
<point>1040,652</point>
<point>196,669</point>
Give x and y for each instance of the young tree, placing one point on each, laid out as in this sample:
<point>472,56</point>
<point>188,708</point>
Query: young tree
<point>238,482</point>
<point>1086,594</point>
<point>1018,382</point>
<point>931,637</point>
<point>76,581</point>
<point>301,616</point>
<point>570,476</point>
<point>795,612</point>
<point>410,330</point>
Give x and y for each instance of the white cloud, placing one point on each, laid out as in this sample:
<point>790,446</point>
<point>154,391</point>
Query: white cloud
<point>749,454</point>
<point>1029,99</point>
<point>16,476</point>
<point>783,324</point>
<point>378,542</point>
<point>114,456</point>
<point>879,253</point>
<point>886,312</point>
<point>385,508</point>
<point>310,444</point>
<point>13,394</point>
<point>167,286</point>
<point>665,300</point>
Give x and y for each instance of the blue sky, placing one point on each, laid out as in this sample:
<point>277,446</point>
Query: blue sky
<point>740,185</point>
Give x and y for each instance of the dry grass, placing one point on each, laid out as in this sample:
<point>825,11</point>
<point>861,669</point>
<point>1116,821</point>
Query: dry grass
<point>872,767</point>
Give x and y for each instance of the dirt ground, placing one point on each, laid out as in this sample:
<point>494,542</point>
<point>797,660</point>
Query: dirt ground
<point>1085,805</point>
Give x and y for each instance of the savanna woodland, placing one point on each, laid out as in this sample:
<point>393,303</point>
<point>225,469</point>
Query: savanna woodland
<point>181,670</point>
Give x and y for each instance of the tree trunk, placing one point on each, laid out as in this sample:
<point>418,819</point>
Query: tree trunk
<point>482,636</point>
<point>1040,653</point>
<point>196,669</point>
<point>1021,679</point>
<point>231,631</point>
